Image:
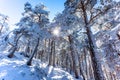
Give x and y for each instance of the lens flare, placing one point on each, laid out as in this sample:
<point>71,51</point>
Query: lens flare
<point>56,31</point>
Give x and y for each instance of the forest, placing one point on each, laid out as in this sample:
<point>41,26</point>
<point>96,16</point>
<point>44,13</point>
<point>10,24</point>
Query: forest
<point>80,43</point>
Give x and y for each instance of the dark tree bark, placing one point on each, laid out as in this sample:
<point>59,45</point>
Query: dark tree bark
<point>51,53</point>
<point>1,29</point>
<point>80,69</point>
<point>11,54</point>
<point>27,50</point>
<point>96,66</point>
<point>54,54</point>
<point>29,62</point>
<point>73,55</point>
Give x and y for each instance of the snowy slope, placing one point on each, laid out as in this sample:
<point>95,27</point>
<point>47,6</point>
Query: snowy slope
<point>16,69</point>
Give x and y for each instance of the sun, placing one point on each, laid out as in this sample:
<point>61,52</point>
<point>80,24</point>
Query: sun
<point>56,31</point>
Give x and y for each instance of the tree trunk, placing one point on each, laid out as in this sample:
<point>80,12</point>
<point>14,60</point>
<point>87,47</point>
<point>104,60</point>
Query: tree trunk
<point>29,62</point>
<point>27,50</point>
<point>54,54</point>
<point>80,69</point>
<point>51,53</point>
<point>1,29</point>
<point>73,56</point>
<point>11,54</point>
<point>66,63</point>
<point>98,74</point>
<point>85,62</point>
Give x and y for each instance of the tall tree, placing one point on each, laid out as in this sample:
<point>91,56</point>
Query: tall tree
<point>33,27</point>
<point>3,23</point>
<point>37,18</point>
<point>89,11</point>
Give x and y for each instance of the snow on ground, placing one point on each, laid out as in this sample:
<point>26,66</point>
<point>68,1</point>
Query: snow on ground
<point>16,69</point>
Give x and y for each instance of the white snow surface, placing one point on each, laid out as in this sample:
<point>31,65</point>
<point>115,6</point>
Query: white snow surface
<point>16,69</point>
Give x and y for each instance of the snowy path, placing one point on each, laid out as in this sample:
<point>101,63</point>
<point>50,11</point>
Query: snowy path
<point>16,69</point>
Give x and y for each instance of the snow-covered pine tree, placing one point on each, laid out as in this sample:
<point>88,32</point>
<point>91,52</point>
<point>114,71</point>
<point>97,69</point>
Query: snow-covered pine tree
<point>107,40</point>
<point>32,27</point>
<point>4,30</point>
<point>80,16</point>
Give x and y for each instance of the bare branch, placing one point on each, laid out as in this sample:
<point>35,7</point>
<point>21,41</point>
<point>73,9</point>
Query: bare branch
<point>100,12</point>
<point>10,44</point>
<point>92,18</point>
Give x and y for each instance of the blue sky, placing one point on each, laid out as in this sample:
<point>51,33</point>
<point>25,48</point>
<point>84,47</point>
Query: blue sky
<point>14,8</point>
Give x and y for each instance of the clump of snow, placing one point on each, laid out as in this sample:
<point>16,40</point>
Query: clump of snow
<point>16,69</point>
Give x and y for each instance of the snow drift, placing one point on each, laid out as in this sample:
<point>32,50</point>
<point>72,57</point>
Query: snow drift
<point>16,69</point>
